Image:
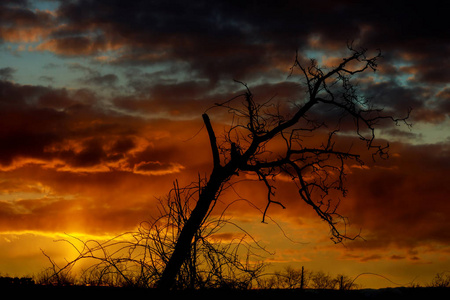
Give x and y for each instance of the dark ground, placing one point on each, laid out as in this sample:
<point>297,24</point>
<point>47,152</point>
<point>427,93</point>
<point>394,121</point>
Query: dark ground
<point>73,292</point>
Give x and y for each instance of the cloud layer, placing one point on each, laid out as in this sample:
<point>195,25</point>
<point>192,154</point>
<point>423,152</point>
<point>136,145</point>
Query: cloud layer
<point>92,155</point>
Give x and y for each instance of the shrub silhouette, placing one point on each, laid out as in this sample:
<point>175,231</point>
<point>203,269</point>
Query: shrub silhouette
<point>137,259</point>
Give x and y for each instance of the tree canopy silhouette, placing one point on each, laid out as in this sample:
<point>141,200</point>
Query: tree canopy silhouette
<point>269,139</point>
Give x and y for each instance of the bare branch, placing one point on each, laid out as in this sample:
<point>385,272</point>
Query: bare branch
<point>212,140</point>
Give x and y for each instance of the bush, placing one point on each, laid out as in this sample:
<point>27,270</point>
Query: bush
<point>441,280</point>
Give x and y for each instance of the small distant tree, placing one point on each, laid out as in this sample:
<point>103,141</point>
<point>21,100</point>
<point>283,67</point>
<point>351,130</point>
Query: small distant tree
<point>321,281</point>
<point>289,278</point>
<point>267,140</point>
<point>344,282</point>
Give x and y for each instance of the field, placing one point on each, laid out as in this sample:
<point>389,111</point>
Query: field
<point>134,293</point>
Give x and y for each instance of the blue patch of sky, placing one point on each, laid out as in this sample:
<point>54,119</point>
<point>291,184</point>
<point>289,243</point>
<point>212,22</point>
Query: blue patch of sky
<point>50,5</point>
<point>43,68</point>
<point>402,78</point>
<point>314,54</point>
<point>35,67</point>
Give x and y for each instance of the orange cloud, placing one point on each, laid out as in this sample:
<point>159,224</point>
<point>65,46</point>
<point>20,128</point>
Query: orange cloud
<point>23,35</point>
<point>71,46</point>
<point>24,25</point>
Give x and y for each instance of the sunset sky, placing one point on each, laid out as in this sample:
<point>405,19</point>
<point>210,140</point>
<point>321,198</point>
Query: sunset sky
<point>101,105</point>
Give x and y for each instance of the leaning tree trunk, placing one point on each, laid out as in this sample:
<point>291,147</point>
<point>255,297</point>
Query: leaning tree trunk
<point>183,245</point>
<point>208,194</point>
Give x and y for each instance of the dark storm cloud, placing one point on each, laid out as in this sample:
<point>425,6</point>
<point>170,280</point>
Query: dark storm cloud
<point>238,38</point>
<point>173,99</point>
<point>19,23</point>
<point>248,41</point>
<point>24,130</point>
<point>68,126</point>
<point>253,40</point>
<point>444,100</point>
<point>215,27</point>
<point>207,35</point>
<point>16,13</point>
<point>428,104</point>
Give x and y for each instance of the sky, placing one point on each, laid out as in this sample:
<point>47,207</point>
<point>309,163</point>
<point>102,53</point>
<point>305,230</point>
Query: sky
<point>100,112</point>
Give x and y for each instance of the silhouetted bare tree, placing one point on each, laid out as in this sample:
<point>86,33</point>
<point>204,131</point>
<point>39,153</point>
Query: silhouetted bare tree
<point>266,140</point>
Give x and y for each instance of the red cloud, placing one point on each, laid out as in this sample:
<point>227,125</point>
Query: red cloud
<point>402,201</point>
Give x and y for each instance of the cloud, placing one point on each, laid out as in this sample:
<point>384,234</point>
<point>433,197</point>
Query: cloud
<point>157,168</point>
<point>93,77</point>
<point>225,35</point>
<point>69,129</point>
<point>20,24</point>
<point>229,38</point>
<point>402,201</point>
<point>73,45</point>
<point>67,201</point>
<point>218,42</point>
